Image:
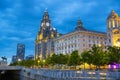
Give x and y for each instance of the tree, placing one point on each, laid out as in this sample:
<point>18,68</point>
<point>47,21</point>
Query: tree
<point>87,58</point>
<point>74,59</point>
<point>97,55</point>
<point>48,61</point>
<point>63,59</point>
<point>105,58</point>
<point>114,54</point>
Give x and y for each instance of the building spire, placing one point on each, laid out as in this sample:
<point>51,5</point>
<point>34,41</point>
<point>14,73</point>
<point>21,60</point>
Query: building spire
<point>46,15</point>
<point>113,11</point>
<point>113,14</point>
<point>46,10</point>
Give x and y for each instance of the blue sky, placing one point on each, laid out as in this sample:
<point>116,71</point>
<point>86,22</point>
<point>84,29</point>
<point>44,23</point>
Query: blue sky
<point>20,19</point>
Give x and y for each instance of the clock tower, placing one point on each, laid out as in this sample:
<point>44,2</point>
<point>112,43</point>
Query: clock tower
<point>44,44</point>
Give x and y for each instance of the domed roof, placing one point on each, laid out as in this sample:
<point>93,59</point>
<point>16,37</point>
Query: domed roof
<point>80,26</point>
<point>113,14</point>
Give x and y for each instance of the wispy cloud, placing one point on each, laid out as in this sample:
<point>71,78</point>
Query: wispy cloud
<point>70,9</point>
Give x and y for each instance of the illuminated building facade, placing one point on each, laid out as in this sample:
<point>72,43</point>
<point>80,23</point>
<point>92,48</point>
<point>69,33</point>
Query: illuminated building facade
<point>113,29</point>
<point>44,45</point>
<point>49,41</point>
<point>80,39</point>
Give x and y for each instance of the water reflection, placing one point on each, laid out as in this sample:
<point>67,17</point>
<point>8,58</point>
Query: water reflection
<point>9,77</point>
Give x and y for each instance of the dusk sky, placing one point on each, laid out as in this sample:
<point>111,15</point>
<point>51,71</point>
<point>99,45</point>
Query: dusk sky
<point>20,19</point>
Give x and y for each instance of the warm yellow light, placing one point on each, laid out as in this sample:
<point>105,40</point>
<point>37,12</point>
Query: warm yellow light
<point>113,23</point>
<point>52,35</point>
<point>45,40</point>
<point>38,61</point>
<point>99,45</point>
<point>117,44</point>
<point>40,36</point>
<point>43,60</point>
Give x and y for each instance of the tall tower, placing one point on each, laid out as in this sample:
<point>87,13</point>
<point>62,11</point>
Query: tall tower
<point>20,51</point>
<point>113,29</point>
<point>44,44</point>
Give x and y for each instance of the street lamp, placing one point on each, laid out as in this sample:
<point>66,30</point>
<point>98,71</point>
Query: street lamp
<point>38,63</point>
<point>19,61</point>
<point>43,63</point>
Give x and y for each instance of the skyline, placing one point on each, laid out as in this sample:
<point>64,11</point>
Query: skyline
<point>20,20</point>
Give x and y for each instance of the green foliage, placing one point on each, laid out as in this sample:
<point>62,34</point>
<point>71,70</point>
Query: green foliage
<point>96,56</point>
<point>25,63</point>
<point>57,59</point>
<point>114,54</point>
<point>87,57</point>
<point>74,59</point>
<point>99,56</point>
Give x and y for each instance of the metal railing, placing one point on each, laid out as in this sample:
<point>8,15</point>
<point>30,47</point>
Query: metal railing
<point>77,74</point>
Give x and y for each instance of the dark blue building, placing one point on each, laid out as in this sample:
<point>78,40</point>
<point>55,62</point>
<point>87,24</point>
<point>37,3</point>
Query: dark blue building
<point>20,52</point>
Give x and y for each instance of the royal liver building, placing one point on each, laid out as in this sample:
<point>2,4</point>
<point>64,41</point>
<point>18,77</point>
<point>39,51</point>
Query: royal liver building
<point>44,45</point>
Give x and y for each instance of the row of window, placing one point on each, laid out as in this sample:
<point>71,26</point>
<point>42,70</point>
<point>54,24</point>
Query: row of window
<point>65,52</point>
<point>66,47</point>
<point>75,46</point>
<point>73,38</point>
<point>78,41</point>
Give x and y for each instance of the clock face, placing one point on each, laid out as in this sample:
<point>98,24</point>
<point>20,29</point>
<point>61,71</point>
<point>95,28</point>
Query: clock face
<point>47,24</point>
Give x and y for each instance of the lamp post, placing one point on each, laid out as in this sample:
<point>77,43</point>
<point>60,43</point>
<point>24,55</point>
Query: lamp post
<point>19,61</point>
<point>38,63</point>
<point>43,63</point>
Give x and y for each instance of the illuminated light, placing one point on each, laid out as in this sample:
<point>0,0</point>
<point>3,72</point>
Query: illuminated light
<point>45,40</point>
<point>44,61</point>
<point>40,36</point>
<point>19,59</point>
<point>91,73</point>
<point>114,66</point>
<point>79,72</point>
<point>113,23</point>
<point>38,61</point>
<point>117,44</point>
<point>52,35</point>
<point>109,66</point>
<point>99,45</point>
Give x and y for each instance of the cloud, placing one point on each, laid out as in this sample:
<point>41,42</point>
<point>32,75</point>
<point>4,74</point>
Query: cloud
<point>18,39</point>
<point>70,9</point>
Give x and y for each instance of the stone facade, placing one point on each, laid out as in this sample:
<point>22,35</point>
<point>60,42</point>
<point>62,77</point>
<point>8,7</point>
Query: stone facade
<point>49,41</point>
<point>113,29</point>
<point>80,39</point>
<point>44,45</point>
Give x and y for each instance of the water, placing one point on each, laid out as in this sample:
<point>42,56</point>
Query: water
<point>9,75</point>
<point>13,77</point>
<point>25,78</point>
